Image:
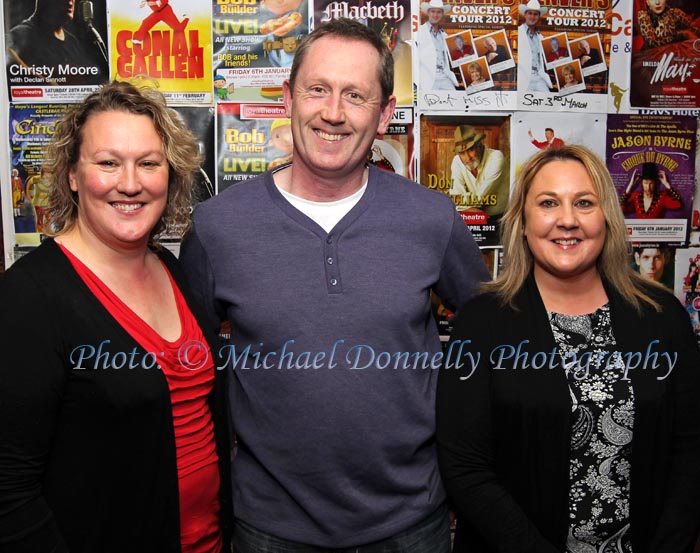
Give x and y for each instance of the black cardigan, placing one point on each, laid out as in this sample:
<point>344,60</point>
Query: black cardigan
<point>504,435</point>
<point>87,457</point>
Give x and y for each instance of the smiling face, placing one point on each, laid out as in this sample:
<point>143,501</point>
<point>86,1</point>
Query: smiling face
<point>490,44</point>
<point>435,16</point>
<point>121,178</point>
<point>459,42</point>
<point>281,139</point>
<point>532,18</point>
<point>554,43</point>
<point>336,109</point>
<point>651,262</point>
<point>564,223</point>
<point>569,75</point>
<point>475,74</point>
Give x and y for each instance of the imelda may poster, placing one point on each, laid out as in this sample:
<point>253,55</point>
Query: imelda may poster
<point>254,46</point>
<point>55,51</point>
<point>564,56</point>
<point>652,162</point>
<point>391,19</point>
<point>666,54</point>
<point>468,158</point>
<point>466,55</point>
<point>165,44</point>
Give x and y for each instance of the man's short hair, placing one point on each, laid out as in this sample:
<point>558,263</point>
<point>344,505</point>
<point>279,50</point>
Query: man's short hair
<point>351,30</point>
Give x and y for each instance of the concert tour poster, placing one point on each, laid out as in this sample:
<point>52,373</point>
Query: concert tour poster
<point>468,159</point>
<point>165,45</point>
<point>651,159</point>
<point>31,129</point>
<point>254,46</point>
<point>43,68</point>
<point>665,61</point>
<point>251,138</point>
<point>474,66</point>
<point>392,20</point>
<point>563,58</point>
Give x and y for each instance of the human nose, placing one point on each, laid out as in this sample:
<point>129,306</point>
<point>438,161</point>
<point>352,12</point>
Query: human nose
<point>333,111</point>
<point>567,217</point>
<point>129,182</point>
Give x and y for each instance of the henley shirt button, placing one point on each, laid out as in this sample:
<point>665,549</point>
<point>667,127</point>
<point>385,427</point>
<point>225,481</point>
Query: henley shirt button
<point>329,240</point>
<point>329,261</point>
<point>333,282</point>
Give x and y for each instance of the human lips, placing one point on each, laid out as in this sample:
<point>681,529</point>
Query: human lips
<point>566,241</point>
<point>329,136</point>
<point>127,206</point>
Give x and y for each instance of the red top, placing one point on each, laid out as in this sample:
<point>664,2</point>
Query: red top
<point>189,371</point>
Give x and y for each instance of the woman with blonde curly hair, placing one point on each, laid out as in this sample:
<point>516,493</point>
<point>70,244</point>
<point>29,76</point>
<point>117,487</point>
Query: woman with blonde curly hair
<point>114,434</point>
<point>568,414</point>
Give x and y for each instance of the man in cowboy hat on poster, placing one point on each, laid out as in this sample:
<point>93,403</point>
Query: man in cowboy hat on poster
<point>479,174</point>
<point>531,68</point>
<point>435,71</point>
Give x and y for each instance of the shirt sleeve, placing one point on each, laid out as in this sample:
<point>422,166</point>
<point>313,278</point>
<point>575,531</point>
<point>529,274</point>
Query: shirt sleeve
<point>196,264</point>
<point>32,376</point>
<point>464,439</point>
<point>494,171</point>
<point>463,268</point>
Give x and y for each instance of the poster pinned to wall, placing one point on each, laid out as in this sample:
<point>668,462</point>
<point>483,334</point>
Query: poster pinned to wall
<point>651,159</point>
<point>55,51</point>
<point>164,44</point>
<point>465,55</point>
<point>31,129</point>
<point>666,55</point>
<point>468,159</point>
<point>564,56</point>
<point>254,47</point>
<point>535,131</point>
<point>251,138</point>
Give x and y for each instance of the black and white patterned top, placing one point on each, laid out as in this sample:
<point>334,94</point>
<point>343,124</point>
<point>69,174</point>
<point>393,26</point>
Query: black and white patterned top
<point>601,434</point>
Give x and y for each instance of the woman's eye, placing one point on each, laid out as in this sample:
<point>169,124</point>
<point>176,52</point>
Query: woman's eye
<point>548,203</point>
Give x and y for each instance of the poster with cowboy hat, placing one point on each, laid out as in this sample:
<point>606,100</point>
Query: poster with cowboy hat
<point>563,56</point>
<point>468,159</point>
<point>465,55</point>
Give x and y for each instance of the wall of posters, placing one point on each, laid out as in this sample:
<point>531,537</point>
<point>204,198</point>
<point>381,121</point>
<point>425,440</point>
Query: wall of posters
<point>527,74</point>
